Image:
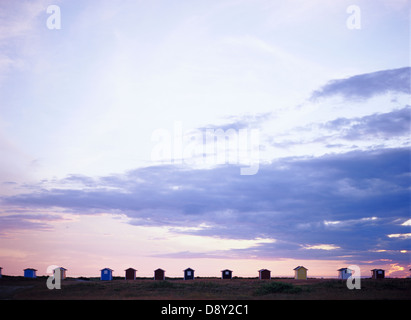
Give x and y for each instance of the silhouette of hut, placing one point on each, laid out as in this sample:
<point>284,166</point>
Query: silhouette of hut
<point>377,273</point>
<point>159,274</point>
<point>226,274</point>
<point>264,274</point>
<point>188,274</point>
<point>130,274</point>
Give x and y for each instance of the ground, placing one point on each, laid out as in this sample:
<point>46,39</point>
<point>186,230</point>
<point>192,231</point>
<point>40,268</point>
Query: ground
<point>19,288</point>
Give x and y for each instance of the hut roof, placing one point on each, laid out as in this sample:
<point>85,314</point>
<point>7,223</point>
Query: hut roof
<point>300,267</point>
<point>107,269</point>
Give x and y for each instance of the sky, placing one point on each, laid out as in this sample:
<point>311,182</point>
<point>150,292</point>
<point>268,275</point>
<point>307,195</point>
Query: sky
<point>231,134</point>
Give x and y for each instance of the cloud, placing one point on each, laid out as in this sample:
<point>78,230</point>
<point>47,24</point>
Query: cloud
<point>387,130</point>
<point>11,222</point>
<point>386,125</point>
<point>399,235</point>
<point>241,122</point>
<point>321,247</point>
<point>367,85</point>
<point>351,201</point>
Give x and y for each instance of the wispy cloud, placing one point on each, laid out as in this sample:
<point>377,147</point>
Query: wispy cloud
<point>389,129</point>
<point>400,235</point>
<point>241,121</point>
<point>365,86</point>
<point>376,126</point>
<point>40,221</point>
<point>321,247</point>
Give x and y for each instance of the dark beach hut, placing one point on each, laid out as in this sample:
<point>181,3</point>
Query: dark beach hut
<point>226,274</point>
<point>130,274</point>
<point>188,274</point>
<point>264,274</point>
<point>377,273</point>
<point>159,274</point>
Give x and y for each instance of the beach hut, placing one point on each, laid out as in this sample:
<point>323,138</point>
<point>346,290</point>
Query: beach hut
<point>30,273</point>
<point>106,274</point>
<point>188,274</point>
<point>226,274</point>
<point>130,274</point>
<point>264,274</point>
<point>377,273</point>
<point>62,272</point>
<point>300,272</point>
<point>344,273</point>
<point>159,274</point>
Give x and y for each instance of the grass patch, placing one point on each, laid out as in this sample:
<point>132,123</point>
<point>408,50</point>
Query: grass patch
<point>162,284</point>
<point>277,287</point>
<point>332,284</point>
<point>204,285</point>
<point>208,288</point>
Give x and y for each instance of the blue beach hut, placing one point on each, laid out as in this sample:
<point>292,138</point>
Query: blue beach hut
<point>106,274</point>
<point>30,273</point>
